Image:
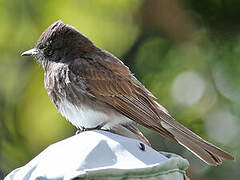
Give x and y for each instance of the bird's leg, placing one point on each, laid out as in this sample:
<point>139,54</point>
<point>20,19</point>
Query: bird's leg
<point>79,130</point>
<point>99,127</point>
<point>82,129</point>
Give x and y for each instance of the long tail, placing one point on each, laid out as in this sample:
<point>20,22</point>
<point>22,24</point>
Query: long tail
<point>204,150</point>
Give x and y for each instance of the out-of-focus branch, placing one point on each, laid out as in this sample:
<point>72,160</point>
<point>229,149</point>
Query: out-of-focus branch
<point>161,18</point>
<point>167,16</point>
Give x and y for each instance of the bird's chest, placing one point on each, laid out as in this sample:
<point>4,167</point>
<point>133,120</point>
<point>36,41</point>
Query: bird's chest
<point>56,80</point>
<point>83,115</point>
<point>72,99</point>
<point>91,116</point>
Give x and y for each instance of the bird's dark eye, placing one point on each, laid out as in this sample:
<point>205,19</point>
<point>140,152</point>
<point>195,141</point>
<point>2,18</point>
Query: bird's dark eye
<point>48,52</point>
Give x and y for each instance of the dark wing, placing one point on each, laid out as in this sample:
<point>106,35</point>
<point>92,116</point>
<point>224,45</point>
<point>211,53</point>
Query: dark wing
<point>110,81</point>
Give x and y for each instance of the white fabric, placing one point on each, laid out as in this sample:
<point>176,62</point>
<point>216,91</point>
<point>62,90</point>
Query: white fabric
<point>100,154</point>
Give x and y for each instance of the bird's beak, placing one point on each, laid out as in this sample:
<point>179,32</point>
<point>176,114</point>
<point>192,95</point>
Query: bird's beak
<point>30,52</point>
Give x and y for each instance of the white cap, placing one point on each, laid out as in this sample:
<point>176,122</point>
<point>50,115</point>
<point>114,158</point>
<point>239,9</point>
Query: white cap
<point>94,154</point>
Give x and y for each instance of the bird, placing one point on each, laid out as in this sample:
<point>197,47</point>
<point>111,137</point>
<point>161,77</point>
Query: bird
<point>93,89</point>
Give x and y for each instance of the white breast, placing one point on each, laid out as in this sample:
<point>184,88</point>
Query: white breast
<point>86,117</point>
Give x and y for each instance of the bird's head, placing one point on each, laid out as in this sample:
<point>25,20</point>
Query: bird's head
<point>60,43</point>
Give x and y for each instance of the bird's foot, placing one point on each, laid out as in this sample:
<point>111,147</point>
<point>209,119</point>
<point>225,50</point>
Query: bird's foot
<point>83,129</point>
<point>94,128</point>
<point>78,131</point>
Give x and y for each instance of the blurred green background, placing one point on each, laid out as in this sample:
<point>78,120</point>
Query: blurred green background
<point>186,52</point>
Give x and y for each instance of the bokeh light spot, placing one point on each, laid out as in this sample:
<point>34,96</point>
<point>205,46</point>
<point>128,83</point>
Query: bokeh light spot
<point>222,126</point>
<point>188,88</point>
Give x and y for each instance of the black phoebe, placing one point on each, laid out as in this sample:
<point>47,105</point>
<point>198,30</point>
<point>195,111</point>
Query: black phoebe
<point>93,89</point>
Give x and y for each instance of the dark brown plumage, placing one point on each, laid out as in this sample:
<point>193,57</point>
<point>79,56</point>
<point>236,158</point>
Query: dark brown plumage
<point>92,88</point>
